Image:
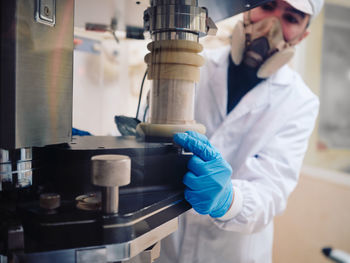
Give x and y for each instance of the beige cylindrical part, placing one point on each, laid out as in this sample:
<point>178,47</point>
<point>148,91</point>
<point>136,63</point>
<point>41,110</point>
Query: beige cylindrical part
<point>174,71</point>
<point>110,172</point>
<point>173,66</point>
<point>179,44</point>
<point>175,57</point>
<point>172,102</point>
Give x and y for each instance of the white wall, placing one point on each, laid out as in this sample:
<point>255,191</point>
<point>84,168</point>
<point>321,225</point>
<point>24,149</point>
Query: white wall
<point>107,83</point>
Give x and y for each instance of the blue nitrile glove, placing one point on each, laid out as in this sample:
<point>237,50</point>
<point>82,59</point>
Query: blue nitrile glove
<point>209,187</point>
<point>77,132</point>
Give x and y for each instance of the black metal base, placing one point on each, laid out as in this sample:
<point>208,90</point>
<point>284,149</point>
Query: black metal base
<point>154,196</point>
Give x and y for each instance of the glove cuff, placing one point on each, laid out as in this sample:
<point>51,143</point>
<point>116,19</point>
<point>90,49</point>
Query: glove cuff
<point>219,212</point>
<point>236,206</point>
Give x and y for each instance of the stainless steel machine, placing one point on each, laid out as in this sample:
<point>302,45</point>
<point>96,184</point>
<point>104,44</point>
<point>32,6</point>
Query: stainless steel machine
<point>92,199</point>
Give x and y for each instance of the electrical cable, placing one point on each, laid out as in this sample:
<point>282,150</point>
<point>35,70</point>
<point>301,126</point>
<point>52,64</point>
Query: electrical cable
<point>115,36</point>
<point>140,96</point>
<point>145,114</point>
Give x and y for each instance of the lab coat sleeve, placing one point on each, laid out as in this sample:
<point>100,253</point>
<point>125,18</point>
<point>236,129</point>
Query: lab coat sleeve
<point>266,179</point>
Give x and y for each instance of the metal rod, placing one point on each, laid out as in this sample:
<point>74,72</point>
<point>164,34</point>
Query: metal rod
<point>110,199</point>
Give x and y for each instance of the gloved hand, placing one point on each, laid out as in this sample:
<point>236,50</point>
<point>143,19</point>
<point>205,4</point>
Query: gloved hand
<point>80,132</point>
<point>209,187</point>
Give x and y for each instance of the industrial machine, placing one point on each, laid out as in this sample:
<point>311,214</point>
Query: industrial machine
<point>93,199</point>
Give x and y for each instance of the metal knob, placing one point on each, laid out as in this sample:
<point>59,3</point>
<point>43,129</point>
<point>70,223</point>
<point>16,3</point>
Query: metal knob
<point>110,172</point>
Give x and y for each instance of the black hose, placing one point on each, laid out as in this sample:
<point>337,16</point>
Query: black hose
<point>140,96</point>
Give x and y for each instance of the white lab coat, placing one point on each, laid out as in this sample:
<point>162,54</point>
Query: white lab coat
<point>264,139</point>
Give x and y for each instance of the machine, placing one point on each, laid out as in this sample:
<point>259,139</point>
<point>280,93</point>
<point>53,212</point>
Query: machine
<point>93,199</point>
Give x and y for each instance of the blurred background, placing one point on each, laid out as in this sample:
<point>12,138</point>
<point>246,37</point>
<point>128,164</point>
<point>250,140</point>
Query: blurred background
<point>318,212</point>
<point>107,79</point>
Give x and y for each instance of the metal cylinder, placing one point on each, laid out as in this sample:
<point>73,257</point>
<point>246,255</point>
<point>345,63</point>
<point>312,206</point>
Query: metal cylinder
<point>110,172</point>
<point>110,200</point>
<point>175,19</point>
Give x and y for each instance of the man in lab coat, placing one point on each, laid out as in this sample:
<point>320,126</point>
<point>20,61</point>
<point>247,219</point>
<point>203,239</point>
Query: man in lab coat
<point>259,115</point>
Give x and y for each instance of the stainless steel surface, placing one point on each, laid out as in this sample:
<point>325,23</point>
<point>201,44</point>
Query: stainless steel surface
<point>212,29</point>
<point>175,19</point>
<point>110,199</point>
<point>146,256</point>
<point>93,255</point>
<point>119,252</point>
<point>16,169</point>
<point>133,222</point>
<point>68,223</point>
<point>114,252</point>
<point>191,15</point>
<point>26,154</point>
<point>131,12</point>
<point>45,12</point>
<point>4,156</point>
<point>174,2</point>
<point>5,168</point>
<point>36,84</point>
<point>110,172</point>
<point>222,9</point>
<point>175,35</point>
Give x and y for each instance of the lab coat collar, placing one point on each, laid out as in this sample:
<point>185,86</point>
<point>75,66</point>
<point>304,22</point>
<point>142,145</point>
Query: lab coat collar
<point>282,77</point>
<point>221,57</point>
<point>258,97</point>
<point>218,81</point>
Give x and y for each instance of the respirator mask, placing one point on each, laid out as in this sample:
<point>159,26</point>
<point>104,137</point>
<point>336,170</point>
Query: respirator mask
<point>261,45</point>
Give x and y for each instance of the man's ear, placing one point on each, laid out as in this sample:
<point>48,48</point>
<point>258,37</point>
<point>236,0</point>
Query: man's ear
<point>303,36</point>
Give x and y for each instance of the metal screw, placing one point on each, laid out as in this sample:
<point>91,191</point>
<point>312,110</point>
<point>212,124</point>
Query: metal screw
<point>46,11</point>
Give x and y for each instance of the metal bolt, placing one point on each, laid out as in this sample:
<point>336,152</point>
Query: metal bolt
<point>110,172</point>
<point>46,11</point>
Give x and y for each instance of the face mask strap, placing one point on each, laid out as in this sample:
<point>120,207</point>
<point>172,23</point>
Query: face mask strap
<point>247,27</point>
<point>247,18</point>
